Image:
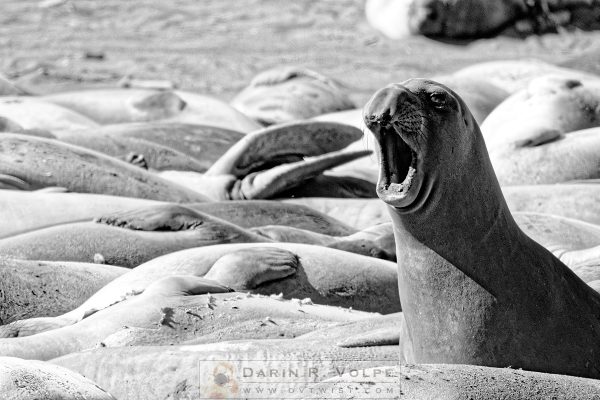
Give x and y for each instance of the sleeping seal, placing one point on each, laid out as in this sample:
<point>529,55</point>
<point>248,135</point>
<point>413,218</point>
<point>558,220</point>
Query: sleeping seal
<point>474,288</point>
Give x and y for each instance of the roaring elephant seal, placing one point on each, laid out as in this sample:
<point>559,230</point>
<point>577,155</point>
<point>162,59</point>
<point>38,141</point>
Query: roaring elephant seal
<point>33,380</point>
<point>30,163</point>
<point>327,276</point>
<point>35,113</point>
<point>474,288</point>
<point>285,94</point>
<point>44,289</point>
<point>550,107</point>
<point>114,106</point>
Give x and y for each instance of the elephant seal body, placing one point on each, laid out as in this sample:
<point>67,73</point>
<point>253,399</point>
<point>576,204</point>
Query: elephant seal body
<point>44,289</point>
<point>30,163</point>
<point>325,275</point>
<point>474,288</point>
<point>551,106</point>
<point>203,143</point>
<point>286,94</point>
<point>33,380</point>
<point>114,106</point>
<point>34,113</point>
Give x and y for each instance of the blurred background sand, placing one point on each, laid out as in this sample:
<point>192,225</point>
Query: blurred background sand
<point>216,46</point>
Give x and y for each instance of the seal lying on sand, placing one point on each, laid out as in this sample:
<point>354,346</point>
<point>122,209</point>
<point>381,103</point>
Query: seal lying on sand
<point>173,303</point>
<point>114,106</point>
<point>285,94</point>
<point>131,372</point>
<point>45,289</point>
<point>548,108</point>
<point>474,288</point>
<point>28,211</point>
<point>327,276</point>
<point>130,239</point>
<point>34,113</point>
<point>30,163</point>
<point>32,380</point>
<point>203,143</point>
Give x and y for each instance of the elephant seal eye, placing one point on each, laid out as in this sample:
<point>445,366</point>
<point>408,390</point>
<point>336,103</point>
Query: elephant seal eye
<point>438,99</point>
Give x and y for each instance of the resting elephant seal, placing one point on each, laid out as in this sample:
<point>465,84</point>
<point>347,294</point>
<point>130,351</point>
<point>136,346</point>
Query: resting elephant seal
<point>515,75</point>
<point>33,380</point>
<point>550,107</point>
<point>30,163</point>
<point>474,288</point>
<point>28,211</point>
<point>285,94</point>
<point>129,239</point>
<point>132,373</point>
<point>35,113</point>
<point>170,310</point>
<point>114,106</point>
<point>205,144</point>
<point>45,289</point>
<point>325,275</point>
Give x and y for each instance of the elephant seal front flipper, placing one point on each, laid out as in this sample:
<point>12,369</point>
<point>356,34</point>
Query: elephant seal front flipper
<point>167,217</point>
<point>474,288</point>
<point>13,183</point>
<point>246,269</point>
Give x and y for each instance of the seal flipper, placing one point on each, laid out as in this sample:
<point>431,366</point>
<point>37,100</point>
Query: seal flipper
<point>184,285</point>
<point>13,183</point>
<point>159,105</point>
<point>377,337</point>
<point>246,269</point>
<point>267,184</point>
<point>539,137</point>
<point>167,217</point>
<point>283,143</point>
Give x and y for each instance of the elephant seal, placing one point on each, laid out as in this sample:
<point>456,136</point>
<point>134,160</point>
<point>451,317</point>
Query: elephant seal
<point>33,288</point>
<point>125,246</point>
<point>456,381</point>
<point>364,283</point>
<point>22,212</point>
<point>441,18</point>
<point>30,163</point>
<point>175,304</point>
<point>114,106</point>
<point>549,158</point>
<point>548,108</point>
<point>515,75</point>
<point>35,113</point>
<point>474,288</point>
<point>285,94</point>
<point>32,380</point>
<point>205,144</point>
<point>130,372</point>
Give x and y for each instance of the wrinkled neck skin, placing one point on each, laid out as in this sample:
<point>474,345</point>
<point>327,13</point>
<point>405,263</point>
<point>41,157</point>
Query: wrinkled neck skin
<point>475,289</point>
<point>444,219</point>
